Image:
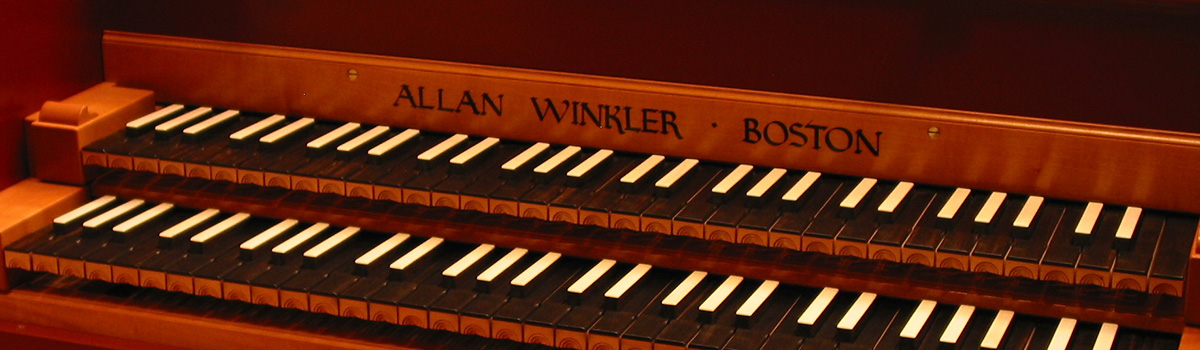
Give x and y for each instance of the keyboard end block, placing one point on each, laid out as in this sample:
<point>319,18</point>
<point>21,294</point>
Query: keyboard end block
<point>31,205</point>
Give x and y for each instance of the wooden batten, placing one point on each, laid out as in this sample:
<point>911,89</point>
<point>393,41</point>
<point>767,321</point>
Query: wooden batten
<point>1058,159</point>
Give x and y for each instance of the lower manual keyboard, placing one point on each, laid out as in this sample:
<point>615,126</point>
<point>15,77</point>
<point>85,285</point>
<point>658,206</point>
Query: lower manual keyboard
<point>510,292</point>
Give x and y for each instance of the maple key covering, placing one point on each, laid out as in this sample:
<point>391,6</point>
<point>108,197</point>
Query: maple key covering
<point>584,212</point>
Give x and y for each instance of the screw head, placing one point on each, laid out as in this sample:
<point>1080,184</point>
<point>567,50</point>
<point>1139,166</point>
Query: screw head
<point>934,132</point>
<point>352,74</point>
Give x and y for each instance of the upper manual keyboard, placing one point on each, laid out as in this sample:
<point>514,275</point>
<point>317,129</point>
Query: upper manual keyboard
<point>968,229</point>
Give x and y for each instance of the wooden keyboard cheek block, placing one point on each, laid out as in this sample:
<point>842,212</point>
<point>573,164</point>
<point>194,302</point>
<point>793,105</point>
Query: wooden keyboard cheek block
<point>1191,288</point>
<point>59,131</point>
<point>31,205</point>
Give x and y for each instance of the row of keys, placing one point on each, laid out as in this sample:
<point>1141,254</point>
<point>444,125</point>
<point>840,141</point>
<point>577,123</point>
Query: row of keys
<point>972,230</point>
<point>510,293</point>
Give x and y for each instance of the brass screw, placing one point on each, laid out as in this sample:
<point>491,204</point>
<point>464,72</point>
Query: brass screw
<point>352,74</point>
<point>934,132</point>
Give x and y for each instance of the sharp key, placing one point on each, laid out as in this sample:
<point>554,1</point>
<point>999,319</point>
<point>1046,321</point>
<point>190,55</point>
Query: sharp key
<point>911,332</point>
<point>953,334</point>
<point>399,266</point>
<point>67,222</point>
<point>613,295</point>
<point>849,205</point>
<point>142,124</point>
<point>1023,223</point>
<point>949,210</point>
<point>1129,224</point>
<point>1087,223</point>
<point>724,188</point>
<point>204,238</point>
<point>1104,340</point>
<point>670,303</point>
<point>991,208</point>
<point>807,323</point>
<point>888,209</point>
<point>848,326</point>
<point>1062,334</point>
<point>746,311</point>
<point>718,297</point>
<point>174,233</point>
<point>995,333</point>
<point>171,127</point>
<point>588,279</point>
<point>452,273</point>
<point>521,282</point>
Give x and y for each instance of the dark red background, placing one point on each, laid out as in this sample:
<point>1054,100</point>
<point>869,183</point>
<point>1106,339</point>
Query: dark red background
<point>1118,62</point>
<point>1125,63</point>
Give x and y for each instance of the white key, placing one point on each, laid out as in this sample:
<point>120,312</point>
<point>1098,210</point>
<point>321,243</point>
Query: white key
<point>917,321</point>
<point>793,194</point>
<point>644,167</point>
<point>631,278</point>
<point>392,143</point>
<point>370,256</point>
<point>893,200</point>
<point>766,182</point>
<point>111,214</point>
<point>684,288</point>
<point>209,123</point>
<point>140,219</point>
<point>185,118</point>
<point>583,283</point>
<point>287,130</point>
<point>990,207</point>
<point>856,312</point>
<point>536,269</point>
<point>84,210</point>
<point>268,234</point>
<point>1104,340</point>
<point>958,323</point>
<point>1028,212</point>
<point>517,161</point>
<point>1062,334</point>
<point>333,135</point>
<point>257,127</point>
<point>817,307</point>
<point>995,332</point>
<point>732,178</point>
<point>413,255</point>
<point>859,192</point>
<point>219,228</point>
<point>1129,222</point>
<point>501,265</point>
<point>362,139</point>
<point>1087,222</point>
<point>589,163</point>
<point>331,242</point>
<point>950,209</point>
<point>153,117</point>
<point>189,223</point>
<point>467,260</point>
<point>477,149</point>
<point>441,147</point>
<point>756,299</point>
<point>557,159</point>
<point>299,238</point>
<point>676,173</point>
<point>719,295</point>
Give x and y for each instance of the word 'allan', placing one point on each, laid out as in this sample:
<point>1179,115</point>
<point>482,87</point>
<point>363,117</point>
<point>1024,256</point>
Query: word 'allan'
<point>466,101</point>
<point>619,118</point>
